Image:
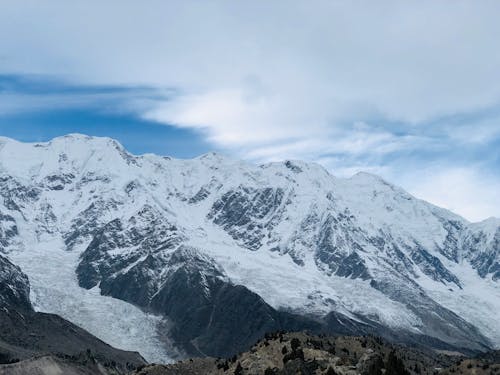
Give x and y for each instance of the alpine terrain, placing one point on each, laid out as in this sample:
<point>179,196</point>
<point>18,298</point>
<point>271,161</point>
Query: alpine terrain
<point>39,343</point>
<point>203,257</point>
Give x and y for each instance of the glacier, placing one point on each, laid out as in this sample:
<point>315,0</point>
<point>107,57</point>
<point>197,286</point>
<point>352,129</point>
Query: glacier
<point>302,239</point>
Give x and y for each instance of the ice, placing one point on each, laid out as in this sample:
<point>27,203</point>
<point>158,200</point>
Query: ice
<point>372,205</point>
<point>54,289</point>
<point>477,302</point>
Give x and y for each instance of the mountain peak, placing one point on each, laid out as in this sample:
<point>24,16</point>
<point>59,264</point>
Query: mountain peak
<point>76,137</point>
<point>67,139</point>
<point>214,157</point>
<point>69,153</point>
<point>368,177</point>
<point>87,139</point>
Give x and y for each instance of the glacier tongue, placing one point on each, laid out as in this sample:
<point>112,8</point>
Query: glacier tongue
<point>54,289</point>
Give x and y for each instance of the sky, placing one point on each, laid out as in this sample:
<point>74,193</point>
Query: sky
<point>406,90</point>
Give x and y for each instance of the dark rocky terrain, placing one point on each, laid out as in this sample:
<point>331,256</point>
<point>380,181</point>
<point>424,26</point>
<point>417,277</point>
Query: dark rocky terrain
<point>305,354</point>
<point>31,341</point>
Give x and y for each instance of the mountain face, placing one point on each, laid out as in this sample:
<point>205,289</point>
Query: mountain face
<point>26,334</point>
<point>216,252</point>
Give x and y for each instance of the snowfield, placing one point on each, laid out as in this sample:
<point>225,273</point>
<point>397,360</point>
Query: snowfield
<point>302,239</point>
<point>54,289</point>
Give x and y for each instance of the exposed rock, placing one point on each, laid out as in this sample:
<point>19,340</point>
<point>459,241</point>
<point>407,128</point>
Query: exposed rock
<point>370,363</point>
<point>14,287</point>
<point>323,355</point>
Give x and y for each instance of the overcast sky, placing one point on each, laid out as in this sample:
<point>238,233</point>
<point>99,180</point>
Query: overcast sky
<point>409,90</point>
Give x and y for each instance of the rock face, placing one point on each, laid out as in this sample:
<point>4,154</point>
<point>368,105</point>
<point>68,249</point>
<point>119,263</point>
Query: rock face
<point>210,315</point>
<point>227,250</point>
<point>25,334</point>
<point>14,287</point>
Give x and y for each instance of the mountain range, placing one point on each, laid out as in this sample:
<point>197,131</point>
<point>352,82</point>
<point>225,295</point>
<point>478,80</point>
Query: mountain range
<point>175,257</point>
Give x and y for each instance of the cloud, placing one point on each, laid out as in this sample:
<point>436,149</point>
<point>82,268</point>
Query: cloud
<point>410,61</point>
<point>22,94</point>
<point>462,190</point>
<point>371,85</point>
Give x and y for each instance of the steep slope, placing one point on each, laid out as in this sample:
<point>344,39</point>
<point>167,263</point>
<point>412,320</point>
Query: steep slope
<point>14,287</point>
<point>49,365</point>
<point>25,334</point>
<point>290,233</point>
<point>55,289</point>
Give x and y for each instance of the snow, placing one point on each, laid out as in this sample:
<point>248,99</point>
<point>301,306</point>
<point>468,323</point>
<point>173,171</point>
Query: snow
<point>54,289</point>
<point>308,290</point>
<point>490,227</point>
<point>371,204</point>
<point>477,302</point>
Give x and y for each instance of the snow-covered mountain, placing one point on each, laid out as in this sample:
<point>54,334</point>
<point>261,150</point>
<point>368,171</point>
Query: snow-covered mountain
<point>220,250</point>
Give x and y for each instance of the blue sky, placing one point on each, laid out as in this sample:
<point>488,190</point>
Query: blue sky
<point>83,114</point>
<point>408,90</point>
<point>136,135</point>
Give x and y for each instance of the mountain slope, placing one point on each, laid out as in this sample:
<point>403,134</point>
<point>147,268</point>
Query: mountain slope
<point>298,238</point>
<point>25,334</point>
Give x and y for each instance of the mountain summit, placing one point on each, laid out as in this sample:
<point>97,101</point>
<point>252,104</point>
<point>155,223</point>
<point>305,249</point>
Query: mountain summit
<point>221,251</point>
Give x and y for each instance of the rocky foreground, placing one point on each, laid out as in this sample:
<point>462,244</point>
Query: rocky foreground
<point>301,353</point>
<point>282,354</point>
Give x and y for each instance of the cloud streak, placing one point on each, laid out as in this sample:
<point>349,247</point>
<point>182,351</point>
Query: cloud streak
<point>386,86</point>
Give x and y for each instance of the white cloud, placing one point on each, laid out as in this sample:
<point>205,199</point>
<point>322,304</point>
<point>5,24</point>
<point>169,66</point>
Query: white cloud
<point>476,132</point>
<point>410,60</point>
<point>281,79</point>
<point>231,118</point>
<point>473,194</point>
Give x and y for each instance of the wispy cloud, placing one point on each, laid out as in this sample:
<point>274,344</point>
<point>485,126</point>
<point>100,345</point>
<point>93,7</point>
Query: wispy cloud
<point>393,87</point>
<point>469,191</point>
<point>24,93</point>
